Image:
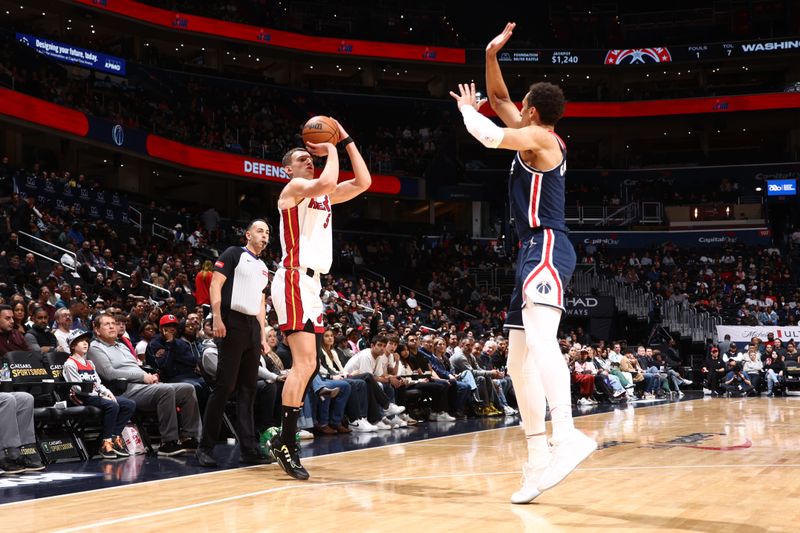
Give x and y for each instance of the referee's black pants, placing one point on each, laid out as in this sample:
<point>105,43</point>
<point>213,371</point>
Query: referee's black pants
<point>239,352</point>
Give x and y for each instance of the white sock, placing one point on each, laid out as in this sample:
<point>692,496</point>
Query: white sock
<point>538,449</point>
<point>527,384</point>
<point>541,329</point>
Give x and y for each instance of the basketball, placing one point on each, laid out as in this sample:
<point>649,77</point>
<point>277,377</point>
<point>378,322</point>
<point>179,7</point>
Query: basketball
<point>320,129</point>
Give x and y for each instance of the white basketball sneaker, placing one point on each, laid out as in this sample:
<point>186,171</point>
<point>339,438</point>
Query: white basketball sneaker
<point>566,454</point>
<point>529,490</point>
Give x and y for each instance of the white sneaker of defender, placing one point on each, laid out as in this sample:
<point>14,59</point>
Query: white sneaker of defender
<point>566,454</point>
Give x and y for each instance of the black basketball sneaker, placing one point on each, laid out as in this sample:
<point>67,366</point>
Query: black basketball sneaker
<point>288,457</point>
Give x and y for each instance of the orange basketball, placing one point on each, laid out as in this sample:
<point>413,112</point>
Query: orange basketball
<point>320,129</point>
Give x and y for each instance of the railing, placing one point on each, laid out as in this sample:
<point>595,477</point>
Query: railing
<point>675,316</point>
<point>370,272</point>
<point>614,215</point>
<point>622,216</point>
<point>169,293</point>
<point>45,245</point>
<point>652,213</point>
<point>42,243</point>
<point>135,218</point>
<point>161,231</point>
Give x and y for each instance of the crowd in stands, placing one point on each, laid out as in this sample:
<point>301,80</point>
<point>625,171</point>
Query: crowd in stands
<point>442,359</point>
<point>241,117</point>
<point>748,369</point>
<point>745,285</point>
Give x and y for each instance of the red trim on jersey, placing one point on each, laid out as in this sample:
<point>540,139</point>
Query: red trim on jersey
<point>536,183</point>
<point>82,365</point>
<point>294,302</point>
<point>560,140</point>
<point>546,263</point>
<point>291,237</point>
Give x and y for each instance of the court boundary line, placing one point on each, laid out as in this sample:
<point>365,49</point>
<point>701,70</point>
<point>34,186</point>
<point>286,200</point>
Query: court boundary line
<point>206,503</point>
<point>153,481</point>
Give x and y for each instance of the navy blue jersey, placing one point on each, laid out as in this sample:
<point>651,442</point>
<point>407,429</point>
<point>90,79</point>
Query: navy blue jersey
<point>537,197</point>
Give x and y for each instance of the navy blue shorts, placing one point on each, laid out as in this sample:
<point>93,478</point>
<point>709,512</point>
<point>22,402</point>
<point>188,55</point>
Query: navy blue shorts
<point>545,264</point>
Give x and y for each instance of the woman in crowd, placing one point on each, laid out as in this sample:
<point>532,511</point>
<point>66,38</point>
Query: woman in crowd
<point>202,284</point>
<point>583,375</point>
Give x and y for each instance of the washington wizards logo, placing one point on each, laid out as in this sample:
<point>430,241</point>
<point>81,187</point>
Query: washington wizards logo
<point>543,287</point>
<point>638,56</point>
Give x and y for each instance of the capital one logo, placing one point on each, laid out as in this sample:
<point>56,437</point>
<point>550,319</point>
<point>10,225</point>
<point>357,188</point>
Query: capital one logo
<point>118,135</point>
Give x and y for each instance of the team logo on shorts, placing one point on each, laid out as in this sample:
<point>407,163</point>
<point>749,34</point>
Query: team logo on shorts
<point>543,287</point>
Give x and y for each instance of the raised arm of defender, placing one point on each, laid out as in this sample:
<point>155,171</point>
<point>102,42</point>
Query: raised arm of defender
<point>491,135</point>
<point>496,89</point>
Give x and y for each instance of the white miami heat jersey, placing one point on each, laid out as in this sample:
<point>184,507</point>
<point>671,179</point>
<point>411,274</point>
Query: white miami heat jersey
<point>306,236</point>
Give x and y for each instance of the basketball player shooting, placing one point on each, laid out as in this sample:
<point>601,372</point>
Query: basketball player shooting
<point>306,240</point>
<point>545,263</point>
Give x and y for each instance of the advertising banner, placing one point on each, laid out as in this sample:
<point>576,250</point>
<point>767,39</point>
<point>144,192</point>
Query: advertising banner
<point>590,306</point>
<point>685,239</point>
<point>66,53</point>
<point>277,38</point>
<point>743,334</point>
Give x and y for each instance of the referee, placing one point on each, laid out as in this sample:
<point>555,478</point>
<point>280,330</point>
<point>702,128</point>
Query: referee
<point>238,303</point>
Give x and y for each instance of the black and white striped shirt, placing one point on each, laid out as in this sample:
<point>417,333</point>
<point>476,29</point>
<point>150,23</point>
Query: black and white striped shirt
<point>246,279</point>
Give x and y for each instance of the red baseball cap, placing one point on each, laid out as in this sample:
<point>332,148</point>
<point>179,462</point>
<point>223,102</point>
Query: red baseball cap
<point>167,320</point>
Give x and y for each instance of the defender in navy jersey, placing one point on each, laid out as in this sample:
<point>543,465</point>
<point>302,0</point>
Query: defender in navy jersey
<point>545,264</point>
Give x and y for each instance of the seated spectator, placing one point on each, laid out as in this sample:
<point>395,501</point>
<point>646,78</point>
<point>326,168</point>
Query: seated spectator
<point>459,390</point>
<point>148,333</point>
<point>583,372</point>
<point>461,363</point>
<point>331,368</point>
<point>753,367</point>
<point>713,371</point>
<point>502,386</point>
<point>63,325</point>
<point>20,317</point>
<point>174,357</point>
<point>39,337</point>
<point>121,320</point>
<point>737,382</point>
<point>775,370</point>
<point>365,363</point>
<point>11,339</point>
<point>117,410</point>
<point>114,361</point>
<point>412,361</point>
<point>733,354</point>
<point>16,427</point>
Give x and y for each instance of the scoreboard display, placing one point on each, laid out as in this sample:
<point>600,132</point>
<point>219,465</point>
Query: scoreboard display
<point>644,56</point>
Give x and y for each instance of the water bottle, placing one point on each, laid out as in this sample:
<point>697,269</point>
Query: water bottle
<point>5,374</point>
<point>266,436</point>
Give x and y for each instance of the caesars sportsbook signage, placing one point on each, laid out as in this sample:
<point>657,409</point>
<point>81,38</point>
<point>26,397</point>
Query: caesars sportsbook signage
<point>746,333</point>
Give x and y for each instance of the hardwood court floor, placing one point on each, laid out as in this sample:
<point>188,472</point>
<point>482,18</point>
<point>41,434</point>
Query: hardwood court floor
<point>710,465</point>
